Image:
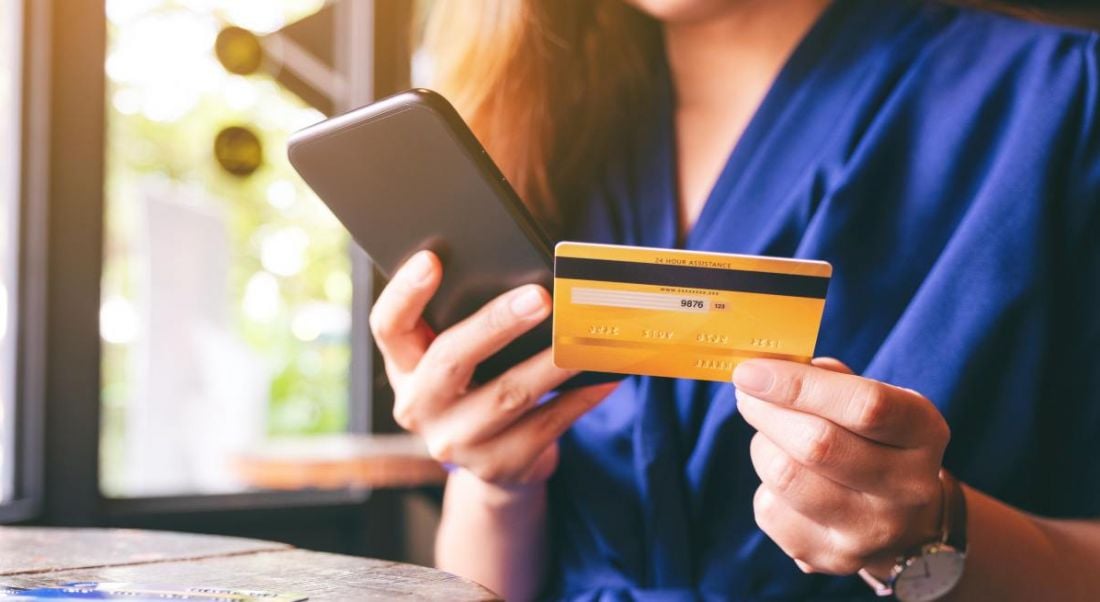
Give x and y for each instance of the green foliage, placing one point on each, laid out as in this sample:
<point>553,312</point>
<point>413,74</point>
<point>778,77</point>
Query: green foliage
<point>297,322</point>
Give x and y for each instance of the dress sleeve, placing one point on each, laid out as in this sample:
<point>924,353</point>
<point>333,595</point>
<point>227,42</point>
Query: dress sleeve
<point>1080,356</point>
<point>1085,189</point>
<point>1084,332</point>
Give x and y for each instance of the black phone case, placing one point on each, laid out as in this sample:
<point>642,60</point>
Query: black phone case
<point>406,173</point>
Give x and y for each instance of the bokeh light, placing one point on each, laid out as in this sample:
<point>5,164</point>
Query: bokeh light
<point>262,301</point>
<point>118,321</point>
<point>253,266</point>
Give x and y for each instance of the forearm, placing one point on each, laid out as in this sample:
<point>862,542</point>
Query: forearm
<point>494,536</point>
<point>1015,556</point>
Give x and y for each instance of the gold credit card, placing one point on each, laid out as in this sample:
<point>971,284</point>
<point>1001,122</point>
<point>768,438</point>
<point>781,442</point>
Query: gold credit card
<point>682,314</point>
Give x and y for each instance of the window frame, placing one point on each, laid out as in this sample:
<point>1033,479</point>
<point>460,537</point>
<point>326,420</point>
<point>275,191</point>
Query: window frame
<point>9,255</point>
<point>62,236</point>
<point>27,469</point>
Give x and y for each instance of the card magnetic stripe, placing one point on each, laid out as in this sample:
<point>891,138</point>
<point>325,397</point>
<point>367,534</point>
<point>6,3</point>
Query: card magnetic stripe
<point>680,276</point>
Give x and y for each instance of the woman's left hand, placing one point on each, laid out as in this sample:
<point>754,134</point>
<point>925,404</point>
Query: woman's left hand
<point>849,466</point>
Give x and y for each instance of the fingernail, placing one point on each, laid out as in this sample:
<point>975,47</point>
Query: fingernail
<point>753,378</point>
<point>419,268</point>
<point>527,302</point>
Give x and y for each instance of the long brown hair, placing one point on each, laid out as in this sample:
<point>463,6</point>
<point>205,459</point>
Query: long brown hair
<point>547,86</point>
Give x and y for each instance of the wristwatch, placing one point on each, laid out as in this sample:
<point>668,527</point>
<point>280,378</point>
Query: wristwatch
<point>934,569</point>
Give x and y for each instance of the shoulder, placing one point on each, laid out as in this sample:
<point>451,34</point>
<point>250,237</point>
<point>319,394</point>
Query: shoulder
<point>1053,71</point>
<point>982,69</point>
<point>982,114</point>
<point>1023,59</point>
<point>986,35</point>
<point>1032,90</point>
<point>990,51</point>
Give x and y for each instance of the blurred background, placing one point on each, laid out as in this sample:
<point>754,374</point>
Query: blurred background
<point>231,386</point>
<point>183,340</point>
<point>226,293</point>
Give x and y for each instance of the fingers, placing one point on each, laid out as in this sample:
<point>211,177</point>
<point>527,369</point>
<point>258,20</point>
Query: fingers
<point>395,321</point>
<point>495,325</point>
<point>881,412</point>
<point>816,547</point>
<point>829,533</point>
<point>823,447</point>
<point>492,407</point>
<point>811,494</point>
<point>848,465</point>
<point>511,455</point>
<point>447,366</point>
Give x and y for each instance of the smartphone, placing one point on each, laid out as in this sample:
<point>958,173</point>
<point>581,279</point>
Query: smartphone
<point>404,174</point>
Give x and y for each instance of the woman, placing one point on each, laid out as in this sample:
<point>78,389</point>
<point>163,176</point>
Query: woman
<point>946,161</point>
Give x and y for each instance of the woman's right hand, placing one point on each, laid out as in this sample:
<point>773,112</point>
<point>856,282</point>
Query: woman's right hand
<point>497,431</point>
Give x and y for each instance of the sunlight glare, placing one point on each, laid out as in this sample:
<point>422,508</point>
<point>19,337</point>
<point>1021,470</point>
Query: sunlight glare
<point>283,252</point>
<point>118,321</point>
<point>262,301</point>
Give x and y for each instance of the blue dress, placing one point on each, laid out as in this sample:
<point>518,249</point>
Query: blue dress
<point>947,162</point>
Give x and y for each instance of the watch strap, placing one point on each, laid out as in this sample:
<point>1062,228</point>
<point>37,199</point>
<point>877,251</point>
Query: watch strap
<point>954,512</point>
<point>953,527</point>
<point>880,588</point>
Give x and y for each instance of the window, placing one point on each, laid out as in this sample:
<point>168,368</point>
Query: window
<point>10,67</point>
<point>119,192</point>
<point>225,314</point>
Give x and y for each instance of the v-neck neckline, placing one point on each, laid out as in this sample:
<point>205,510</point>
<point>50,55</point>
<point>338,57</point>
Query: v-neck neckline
<point>807,54</point>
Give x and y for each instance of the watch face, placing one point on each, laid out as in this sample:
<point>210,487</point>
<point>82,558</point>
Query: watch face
<point>930,575</point>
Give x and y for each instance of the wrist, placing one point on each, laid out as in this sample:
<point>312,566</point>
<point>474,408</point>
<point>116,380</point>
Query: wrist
<point>933,569</point>
<point>926,527</point>
<point>497,497</point>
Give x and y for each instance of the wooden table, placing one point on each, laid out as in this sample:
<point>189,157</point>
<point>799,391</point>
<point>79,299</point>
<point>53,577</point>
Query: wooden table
<point>340,462</point>
<point>32,556</point>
